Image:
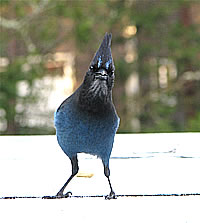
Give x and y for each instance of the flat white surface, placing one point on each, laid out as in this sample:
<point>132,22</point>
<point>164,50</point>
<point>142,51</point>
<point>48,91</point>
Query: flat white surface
<point>140,164</point>
<point>98,210</point>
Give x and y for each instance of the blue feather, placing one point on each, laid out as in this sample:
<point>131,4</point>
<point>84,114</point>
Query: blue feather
<point>108,63</point>
<point>99,62</point>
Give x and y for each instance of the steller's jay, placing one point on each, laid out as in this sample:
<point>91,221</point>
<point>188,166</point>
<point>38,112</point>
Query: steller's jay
<point>86,122</point>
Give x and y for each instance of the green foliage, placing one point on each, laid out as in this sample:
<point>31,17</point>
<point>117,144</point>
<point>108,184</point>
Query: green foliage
<point>194,123</point>
<point>83,31</point>
<point>9,93</point>
<point>161,33</point>
<point>5,2</point>
<point>123,70</point>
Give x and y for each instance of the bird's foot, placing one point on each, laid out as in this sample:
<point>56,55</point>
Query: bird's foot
<point>111,196</point>
<point>61,195</point>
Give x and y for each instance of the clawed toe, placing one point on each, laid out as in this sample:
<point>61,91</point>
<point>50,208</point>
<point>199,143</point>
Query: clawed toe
<point>61,195</point>
<point>111,196</point>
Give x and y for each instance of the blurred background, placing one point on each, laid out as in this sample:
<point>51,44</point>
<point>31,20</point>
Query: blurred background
<point>46,47</point>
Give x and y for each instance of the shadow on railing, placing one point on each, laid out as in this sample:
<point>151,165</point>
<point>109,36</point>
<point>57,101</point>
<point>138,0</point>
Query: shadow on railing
<point>99,196</point>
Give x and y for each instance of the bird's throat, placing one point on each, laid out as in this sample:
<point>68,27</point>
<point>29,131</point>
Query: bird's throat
<point>96,97</point>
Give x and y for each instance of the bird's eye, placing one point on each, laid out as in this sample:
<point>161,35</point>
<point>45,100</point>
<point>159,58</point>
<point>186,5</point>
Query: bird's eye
<point>91,67</point>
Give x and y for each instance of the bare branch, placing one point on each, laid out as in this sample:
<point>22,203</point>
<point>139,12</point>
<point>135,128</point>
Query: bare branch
<point>17,25</point>
<point>22,25</point>
<point>10,24</point>
<point>40,8</point>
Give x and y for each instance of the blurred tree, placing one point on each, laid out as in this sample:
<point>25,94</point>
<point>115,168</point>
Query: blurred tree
<point>166,35</point>
<point>24,62</point>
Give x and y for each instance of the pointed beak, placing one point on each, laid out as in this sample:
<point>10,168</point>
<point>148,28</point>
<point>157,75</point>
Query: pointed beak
<point>101,74</point>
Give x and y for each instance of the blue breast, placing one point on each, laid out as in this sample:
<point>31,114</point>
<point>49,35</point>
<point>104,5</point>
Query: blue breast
<point>78,131</point>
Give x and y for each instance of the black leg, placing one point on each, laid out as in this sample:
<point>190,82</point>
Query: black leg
<point>107,174</point>
<point>74,162</point>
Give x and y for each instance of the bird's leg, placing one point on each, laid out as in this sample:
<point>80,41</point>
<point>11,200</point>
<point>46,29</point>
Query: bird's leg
<point>107,174</point>
<point>74,162</point>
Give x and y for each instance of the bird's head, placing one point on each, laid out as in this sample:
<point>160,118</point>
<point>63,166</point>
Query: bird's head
<point>102,66</point>
<point>99,79</point>
<point>101,69</point>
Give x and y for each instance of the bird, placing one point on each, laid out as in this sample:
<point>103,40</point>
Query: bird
<point>87,121</point>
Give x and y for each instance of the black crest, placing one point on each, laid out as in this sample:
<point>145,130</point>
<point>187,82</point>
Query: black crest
<point>103,57</point>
